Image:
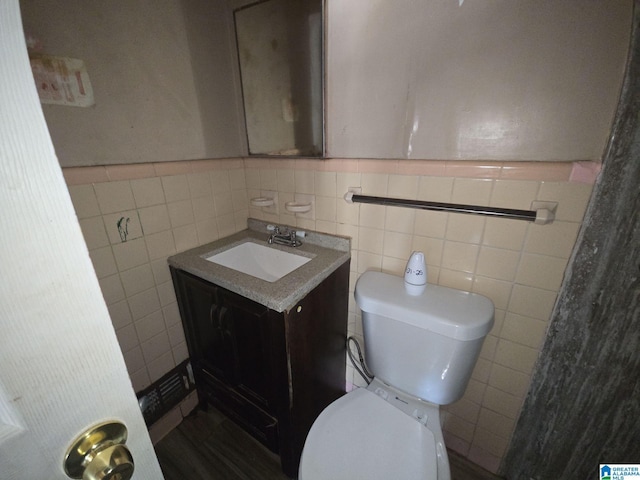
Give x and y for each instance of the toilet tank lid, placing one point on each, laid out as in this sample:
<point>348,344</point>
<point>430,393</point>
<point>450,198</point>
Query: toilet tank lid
<point>446,311</point>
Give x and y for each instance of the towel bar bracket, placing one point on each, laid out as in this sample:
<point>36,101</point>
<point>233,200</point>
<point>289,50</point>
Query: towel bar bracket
<point>545,211</point>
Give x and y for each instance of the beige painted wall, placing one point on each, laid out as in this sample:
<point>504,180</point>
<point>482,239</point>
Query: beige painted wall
<point>164,78</point>
<point>500,80</point>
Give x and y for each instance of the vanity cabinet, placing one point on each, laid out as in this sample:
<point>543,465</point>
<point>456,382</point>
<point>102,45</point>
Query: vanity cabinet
<point>271,372</point>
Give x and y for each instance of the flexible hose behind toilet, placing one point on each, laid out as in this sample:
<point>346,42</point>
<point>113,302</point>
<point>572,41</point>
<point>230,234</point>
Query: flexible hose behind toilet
<point>362,369</point>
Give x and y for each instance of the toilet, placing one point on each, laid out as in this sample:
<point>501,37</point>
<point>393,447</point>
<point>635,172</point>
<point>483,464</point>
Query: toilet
<point>421,350</point>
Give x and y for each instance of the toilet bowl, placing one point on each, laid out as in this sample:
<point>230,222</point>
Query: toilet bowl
<point>376,433</point>
<point>422,350</point>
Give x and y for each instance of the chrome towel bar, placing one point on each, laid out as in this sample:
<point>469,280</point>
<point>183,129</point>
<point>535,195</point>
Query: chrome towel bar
<point>541,212</point>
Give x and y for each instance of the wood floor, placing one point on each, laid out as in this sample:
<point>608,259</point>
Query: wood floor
<point>208,446</point>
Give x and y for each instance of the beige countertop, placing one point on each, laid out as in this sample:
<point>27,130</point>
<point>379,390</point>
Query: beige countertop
<point>327,253</point>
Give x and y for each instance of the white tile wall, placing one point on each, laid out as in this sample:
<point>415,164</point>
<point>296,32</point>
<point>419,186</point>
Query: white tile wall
<point>114,196</point>
<point>147,192</point>
<point>166,215</point>
<point>518,265</point>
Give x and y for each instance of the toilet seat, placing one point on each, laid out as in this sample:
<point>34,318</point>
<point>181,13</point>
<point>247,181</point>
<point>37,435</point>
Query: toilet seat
<point>362,436</point>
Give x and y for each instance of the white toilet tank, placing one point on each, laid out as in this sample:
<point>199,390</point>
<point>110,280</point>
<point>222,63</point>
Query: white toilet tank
<point>425,345</point>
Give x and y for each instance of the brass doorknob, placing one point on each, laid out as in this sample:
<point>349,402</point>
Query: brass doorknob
<point>100,454</point>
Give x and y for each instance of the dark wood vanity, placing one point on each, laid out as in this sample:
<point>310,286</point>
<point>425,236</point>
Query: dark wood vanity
<point>271,372</point>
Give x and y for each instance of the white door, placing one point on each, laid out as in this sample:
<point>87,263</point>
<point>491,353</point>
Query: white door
<point>61,369</point>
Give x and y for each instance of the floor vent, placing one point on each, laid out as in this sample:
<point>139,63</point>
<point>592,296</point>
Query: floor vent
<point>166,393</point>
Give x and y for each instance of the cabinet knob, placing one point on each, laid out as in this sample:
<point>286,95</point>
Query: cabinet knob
<point>100,454</point>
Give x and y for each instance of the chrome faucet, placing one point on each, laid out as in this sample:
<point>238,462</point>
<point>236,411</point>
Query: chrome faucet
<point>287,237</point>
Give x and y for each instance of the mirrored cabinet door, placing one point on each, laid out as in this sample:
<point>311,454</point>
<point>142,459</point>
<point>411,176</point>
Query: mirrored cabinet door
<point>280,56</point>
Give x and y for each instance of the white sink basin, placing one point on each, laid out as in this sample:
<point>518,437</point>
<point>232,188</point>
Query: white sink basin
<point>259,261</point>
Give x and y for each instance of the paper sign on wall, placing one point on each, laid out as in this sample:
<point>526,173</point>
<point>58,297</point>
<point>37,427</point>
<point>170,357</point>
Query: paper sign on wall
<point>62,81</point>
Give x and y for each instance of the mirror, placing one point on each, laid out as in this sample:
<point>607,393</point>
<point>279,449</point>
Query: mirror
<point>466,80</point>
<point>164,75</point>
<point>280,57</point>
<point>166,80</point>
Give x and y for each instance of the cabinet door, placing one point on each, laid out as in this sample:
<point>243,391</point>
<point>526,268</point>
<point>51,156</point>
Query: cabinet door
<point>237,341</point>
<point>208,327</point>
<point>258,348</point>
<point>198,306</point>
